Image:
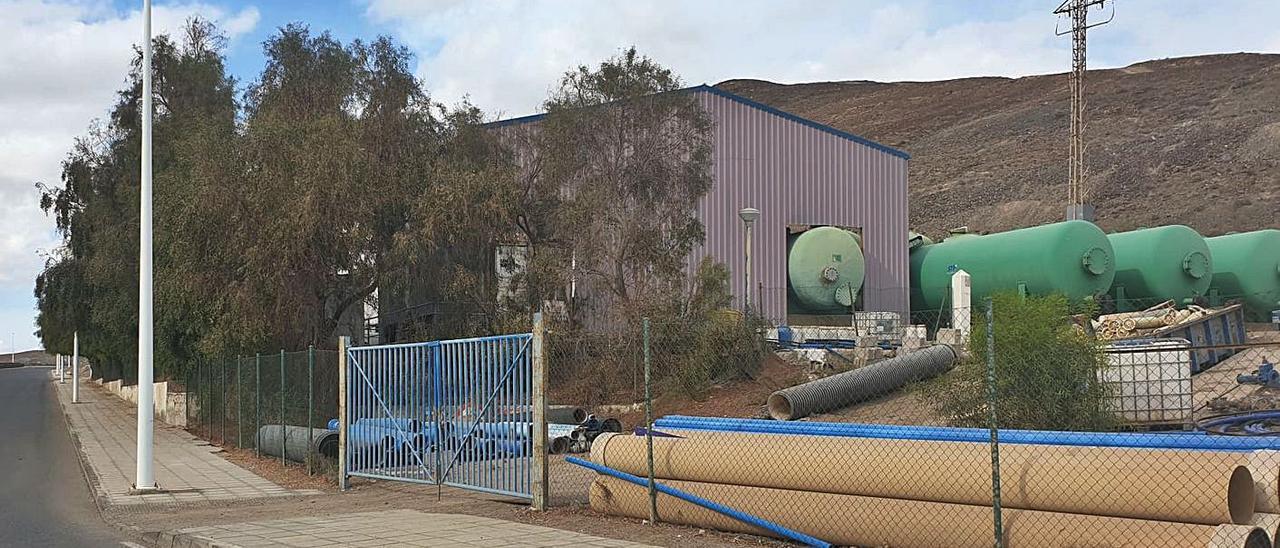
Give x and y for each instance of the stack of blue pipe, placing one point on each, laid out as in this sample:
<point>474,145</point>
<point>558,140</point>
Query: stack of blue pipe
<point>1152,440</point>
<point>496,440</point>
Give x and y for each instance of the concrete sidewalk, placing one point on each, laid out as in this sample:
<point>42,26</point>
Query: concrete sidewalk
<point>187,469</point>
<point>391,528</point>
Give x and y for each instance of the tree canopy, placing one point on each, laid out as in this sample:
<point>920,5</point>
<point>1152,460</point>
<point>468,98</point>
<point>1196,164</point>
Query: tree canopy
<point>282,208</point>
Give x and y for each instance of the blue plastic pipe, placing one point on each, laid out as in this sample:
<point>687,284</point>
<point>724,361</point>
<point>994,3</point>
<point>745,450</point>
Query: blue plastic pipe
<point>1180,440</point>
<point>362,436</point>
<point>710,505</point>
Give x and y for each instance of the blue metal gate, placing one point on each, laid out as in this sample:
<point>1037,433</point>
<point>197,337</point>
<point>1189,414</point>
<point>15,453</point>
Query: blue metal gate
<point>454,412</point>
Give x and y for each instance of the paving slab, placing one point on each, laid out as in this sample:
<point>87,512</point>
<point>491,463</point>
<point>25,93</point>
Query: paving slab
<point>391,528</point>
<point>187,469</point>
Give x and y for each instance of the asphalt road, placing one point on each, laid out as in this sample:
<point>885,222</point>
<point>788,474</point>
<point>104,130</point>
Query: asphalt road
<point>44,499</point>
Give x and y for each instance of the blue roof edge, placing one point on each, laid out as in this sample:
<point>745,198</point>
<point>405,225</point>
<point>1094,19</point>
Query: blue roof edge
<point>753,104</point>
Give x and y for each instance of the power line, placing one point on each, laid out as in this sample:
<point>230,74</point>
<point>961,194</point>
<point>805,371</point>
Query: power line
<point>1077,187</point>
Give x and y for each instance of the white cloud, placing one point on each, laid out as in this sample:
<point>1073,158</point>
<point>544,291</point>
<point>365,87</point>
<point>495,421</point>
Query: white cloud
<point>506,55</point>
<point>61,63</point>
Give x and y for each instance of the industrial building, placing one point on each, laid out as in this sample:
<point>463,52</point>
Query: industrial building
<point>799,174</point>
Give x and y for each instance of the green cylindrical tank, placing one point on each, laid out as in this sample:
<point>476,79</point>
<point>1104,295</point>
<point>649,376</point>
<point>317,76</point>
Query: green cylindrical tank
<point>825,269</point>
<point>1155,264</point>
<point>1247,266</point>
<point>1074,258</point>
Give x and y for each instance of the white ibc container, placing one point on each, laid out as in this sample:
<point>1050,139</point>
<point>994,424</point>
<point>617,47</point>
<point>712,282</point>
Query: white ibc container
<point>1150,380</point>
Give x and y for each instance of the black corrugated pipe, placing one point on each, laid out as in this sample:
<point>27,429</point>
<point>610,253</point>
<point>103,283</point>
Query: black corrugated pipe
<point>323,442</point>
<point>850,387</point>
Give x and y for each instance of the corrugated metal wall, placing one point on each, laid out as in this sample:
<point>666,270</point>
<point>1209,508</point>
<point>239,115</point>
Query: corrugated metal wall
<point>795,173</point>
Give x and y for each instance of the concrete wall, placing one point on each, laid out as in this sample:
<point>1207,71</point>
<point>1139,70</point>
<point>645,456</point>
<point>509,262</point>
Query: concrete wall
<point>170,407</point>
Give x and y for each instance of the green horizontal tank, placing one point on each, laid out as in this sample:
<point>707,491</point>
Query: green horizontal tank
<point>825,269</point>
<point>1158,264</point>
<point>1073,258</point>
<point>1247,266</point>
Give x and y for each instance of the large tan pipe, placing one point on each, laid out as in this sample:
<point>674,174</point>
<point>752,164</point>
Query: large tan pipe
<point>1265,467</point>
<point>1188,486</point>
<point>870,521</point>
<point>1269,523</point>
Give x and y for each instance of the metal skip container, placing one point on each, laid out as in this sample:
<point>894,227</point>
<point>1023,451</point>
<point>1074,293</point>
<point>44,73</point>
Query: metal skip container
<point>1074,258</point>
<point>1157,264</point>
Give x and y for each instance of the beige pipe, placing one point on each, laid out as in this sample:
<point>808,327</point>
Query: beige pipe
<point>1269,523</point>
<point>869,521</point>
<point>1188,486</point>
<point>1265,467</point>
<point>1148,322</point>
<point>1225,536</point>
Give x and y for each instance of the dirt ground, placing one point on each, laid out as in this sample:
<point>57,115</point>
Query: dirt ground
<point>742,398</point>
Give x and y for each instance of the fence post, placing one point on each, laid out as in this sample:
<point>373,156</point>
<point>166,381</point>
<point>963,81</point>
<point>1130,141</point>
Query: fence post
<point>206,404</point>
<point>186,401</point>
<point>648,428</point>
<point>991,425</point>
<point>239,400</point>
<point>311,367</point>
<point>282,431</point>
<point>342,412</point>
<point>537,359</point>
<point>222,402</point>
<point>257,401</point>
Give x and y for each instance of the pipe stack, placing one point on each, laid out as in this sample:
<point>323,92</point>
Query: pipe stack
<point>1263,457</point>
<point>868,521</point>
<point>1152,440</point>
<point>1132,324</point>
<point>868,491</point>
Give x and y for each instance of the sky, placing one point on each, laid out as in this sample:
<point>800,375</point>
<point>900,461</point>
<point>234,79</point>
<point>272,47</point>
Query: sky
<point>61,61</point>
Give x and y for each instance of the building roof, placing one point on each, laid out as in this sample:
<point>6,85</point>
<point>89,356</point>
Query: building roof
<point>753,104</point>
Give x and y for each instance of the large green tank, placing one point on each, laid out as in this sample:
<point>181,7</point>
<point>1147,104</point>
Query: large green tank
<point>1157,264</point>
<point>825,269</point>
<point>1247,266</point>
<point>1073,258</point>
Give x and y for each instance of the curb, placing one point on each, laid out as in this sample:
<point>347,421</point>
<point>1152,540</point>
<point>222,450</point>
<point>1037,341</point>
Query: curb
<point>178,539</point>
<point>86,471</point>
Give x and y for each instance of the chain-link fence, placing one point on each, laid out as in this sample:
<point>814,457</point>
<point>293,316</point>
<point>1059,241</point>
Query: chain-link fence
<point>1024,421</point>
<point>265,401</point>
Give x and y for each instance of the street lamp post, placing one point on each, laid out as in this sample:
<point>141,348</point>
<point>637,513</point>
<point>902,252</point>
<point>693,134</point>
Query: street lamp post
<point>144,479</point>
<point>748,216</point>
<point>75,368</point>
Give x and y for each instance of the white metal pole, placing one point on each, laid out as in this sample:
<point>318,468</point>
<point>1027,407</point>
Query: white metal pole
<point>144,479</point>
<point>748,216</point>
<point>75,367</point>
<point>61,372</point>
<point>746,291</point>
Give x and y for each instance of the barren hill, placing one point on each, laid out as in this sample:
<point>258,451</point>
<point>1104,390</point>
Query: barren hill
<point>1192,140</point>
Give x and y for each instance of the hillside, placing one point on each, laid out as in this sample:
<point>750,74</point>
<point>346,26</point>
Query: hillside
<point>1192,140</point>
